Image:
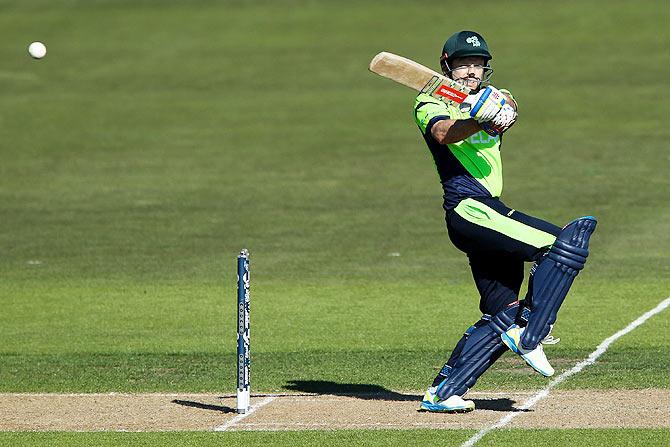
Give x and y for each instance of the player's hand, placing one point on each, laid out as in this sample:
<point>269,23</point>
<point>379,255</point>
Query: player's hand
<point>486,104</point>
<point>505,119</point>
<point>509,99</point>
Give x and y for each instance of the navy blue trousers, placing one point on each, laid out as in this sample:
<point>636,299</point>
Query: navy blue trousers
<point>497,252</point>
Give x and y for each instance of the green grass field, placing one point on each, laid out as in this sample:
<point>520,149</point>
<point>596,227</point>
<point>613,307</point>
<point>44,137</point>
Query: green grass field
<point>157,138</point>
<point>595,438</point>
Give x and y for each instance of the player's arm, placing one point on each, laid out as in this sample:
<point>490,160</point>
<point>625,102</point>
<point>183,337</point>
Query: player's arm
<point>449,131</point>
<point>433,119</point>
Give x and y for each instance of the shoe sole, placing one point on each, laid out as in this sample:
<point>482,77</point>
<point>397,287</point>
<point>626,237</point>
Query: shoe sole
<point>545,374</point>
<point>430,408</point>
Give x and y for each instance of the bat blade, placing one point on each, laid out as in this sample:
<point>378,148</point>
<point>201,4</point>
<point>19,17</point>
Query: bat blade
<point>402,70</point>
<point>418,77</point>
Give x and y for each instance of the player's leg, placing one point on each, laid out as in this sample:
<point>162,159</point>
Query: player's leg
<point>560,254</point>
<point>430,401</point>
<point>455,353</point>
<point>478,226</point>
<point>481,348</point>
<point>493,226</point>
<point>498,277</point>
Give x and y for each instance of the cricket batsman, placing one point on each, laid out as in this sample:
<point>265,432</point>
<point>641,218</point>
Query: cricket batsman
<point>465,141</point>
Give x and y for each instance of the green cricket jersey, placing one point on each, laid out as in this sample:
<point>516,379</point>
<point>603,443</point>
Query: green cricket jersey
<point>468,168</point>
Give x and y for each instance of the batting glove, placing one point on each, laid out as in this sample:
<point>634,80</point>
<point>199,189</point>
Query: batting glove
<point>505,118</point>
<point>486,104</point>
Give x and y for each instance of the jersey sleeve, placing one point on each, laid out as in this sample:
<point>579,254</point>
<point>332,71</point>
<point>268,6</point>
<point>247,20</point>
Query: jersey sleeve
<point>427,111</point>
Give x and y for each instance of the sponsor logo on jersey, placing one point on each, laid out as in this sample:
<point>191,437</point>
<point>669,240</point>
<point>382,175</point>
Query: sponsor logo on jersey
<point>482,138</point>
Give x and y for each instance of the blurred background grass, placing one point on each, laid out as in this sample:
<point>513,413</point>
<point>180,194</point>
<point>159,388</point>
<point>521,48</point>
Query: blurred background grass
<point>157,138</point>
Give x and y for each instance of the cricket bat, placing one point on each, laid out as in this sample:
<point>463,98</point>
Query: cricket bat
<point>418,77</point>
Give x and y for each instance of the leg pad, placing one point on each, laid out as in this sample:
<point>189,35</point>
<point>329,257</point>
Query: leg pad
<point>482,347</point>
<point>553,277</point>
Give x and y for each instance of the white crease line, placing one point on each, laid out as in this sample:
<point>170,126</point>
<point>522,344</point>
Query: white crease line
<point>116,394</point>
<point>282,427</point>
<point>129,394</point>
<point>502,393</point>
<point>240,417</point>
<point>600,350</point>
<point>417,394</point>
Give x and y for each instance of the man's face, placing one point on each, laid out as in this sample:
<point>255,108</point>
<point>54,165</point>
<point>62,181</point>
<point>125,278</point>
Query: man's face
<point>468,70</point>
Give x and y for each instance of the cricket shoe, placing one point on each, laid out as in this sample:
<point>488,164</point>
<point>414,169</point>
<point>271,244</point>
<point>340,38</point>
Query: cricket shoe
<point>535,358</point>
<point>454,404</point>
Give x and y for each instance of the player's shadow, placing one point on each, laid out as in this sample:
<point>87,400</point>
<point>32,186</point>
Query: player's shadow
<point>376,392</point>
<point>190,403</point>
<point>503,404</point>
<point>358,390</point>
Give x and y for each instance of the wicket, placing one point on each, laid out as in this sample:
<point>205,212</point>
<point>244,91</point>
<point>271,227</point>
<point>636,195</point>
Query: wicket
<point>243,355</point>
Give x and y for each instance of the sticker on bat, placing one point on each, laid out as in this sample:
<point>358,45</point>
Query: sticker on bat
<point>431,85</point>
<point>451,93</point>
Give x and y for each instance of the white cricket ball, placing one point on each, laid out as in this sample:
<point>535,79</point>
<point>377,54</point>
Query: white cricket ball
<point>37,50</point>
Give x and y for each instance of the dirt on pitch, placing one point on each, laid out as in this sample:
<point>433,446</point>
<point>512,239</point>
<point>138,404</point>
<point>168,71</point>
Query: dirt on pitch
<point>166,412</point>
